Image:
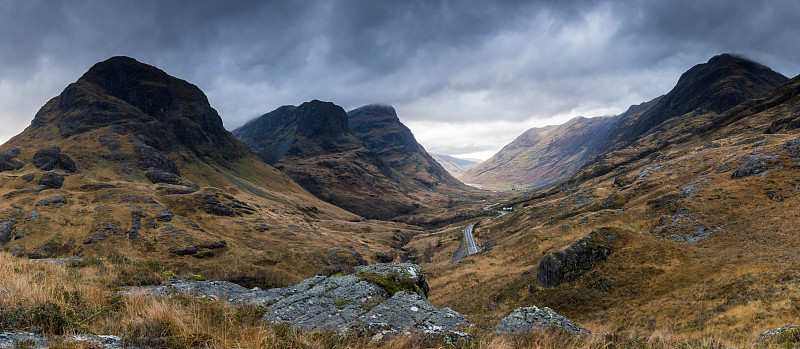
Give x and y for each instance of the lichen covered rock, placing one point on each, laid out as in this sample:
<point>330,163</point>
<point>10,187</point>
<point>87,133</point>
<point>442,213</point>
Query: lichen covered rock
<point>533,319</point>
<point>564,266</point>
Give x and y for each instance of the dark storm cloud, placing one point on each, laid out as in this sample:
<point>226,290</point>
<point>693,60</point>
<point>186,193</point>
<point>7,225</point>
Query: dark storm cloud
<point>478,69</point>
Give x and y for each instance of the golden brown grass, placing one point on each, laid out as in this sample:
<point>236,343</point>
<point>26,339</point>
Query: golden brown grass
<point>82,299</point>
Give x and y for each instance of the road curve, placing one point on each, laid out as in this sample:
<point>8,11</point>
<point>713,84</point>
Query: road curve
<point>472,248</point>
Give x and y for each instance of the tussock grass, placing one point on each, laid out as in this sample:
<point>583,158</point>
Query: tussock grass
<point>83,298</point>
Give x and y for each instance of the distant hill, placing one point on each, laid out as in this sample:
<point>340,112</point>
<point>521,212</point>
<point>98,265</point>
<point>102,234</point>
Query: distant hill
<point>541,156</point>
<point>132,162</point>
<point>552,154</point>
<point>456,166</point>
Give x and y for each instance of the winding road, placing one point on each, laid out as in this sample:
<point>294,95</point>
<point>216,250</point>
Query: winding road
<point>472,247</point>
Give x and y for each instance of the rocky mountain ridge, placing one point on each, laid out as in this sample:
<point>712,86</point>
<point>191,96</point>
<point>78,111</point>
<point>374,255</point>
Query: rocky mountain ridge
<point>545,156</point>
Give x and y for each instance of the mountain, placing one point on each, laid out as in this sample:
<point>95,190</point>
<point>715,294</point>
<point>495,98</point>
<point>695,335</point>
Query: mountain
<point>544,155</point>
<point>381,130</point>
<point>703,226</point>
<point>312,143</point>
<point>133,162</point>
<point>456,166</point>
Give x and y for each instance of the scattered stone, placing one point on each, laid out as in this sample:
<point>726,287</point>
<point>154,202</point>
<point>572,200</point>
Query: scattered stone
<point>28,177</point>
<point>59,261</point>
<point>157,175</point>
<point>793,147</point>
<point>535,319</point>
<point>38,340</point>
<point>182,251</point>
<point>109,141</point>
<point>784,335</point>
<point>384,257</point>
<point>150,158</point>
<point>136,222</point>
<point>5,232</point>
<point>49,159</point>
<point>211,204</point>
<point>751,167</point>
<point>567,265</point>
<point>102,232</point>
<point>165,215</point>
<point>212,245</point>
<point>56,200</point>
<point>177,190</point>
<point>51,180</point>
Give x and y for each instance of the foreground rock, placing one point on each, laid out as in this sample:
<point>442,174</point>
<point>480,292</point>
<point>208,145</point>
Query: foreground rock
<point>785,335</point>
<point>535,319</point>
<point>378,299</point>
<point>33,340</point>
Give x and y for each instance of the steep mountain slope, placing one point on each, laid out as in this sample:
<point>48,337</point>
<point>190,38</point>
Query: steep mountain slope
<point>381,130</point>
<point>700,95</point>
<point>710,88</point>
<point>313,144</point>
<point>131,161</point>
<point>456,166</point>
<point>541,156</point>
<point>698,237</point>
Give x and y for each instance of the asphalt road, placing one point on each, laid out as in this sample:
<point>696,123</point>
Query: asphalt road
<point>472,248</point>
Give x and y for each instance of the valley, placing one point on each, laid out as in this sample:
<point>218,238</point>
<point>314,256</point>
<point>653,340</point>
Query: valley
<point>676,218</point>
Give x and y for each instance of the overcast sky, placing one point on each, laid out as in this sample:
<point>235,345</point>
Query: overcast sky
<point>466,76</point>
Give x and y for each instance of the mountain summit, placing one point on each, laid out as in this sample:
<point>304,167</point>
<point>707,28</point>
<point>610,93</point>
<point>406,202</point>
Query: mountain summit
<point>165,113</point>
<point>381,130</point>
<point>313,145</point>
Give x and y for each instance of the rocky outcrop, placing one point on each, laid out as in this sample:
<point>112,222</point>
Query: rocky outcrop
<point>378,299</point>
<point>534,319</point>
<point>9,161</point>
<point>52,158</point>
<point>38,340</point>
<point>51,180</point>
<point>752,167</point>
<point>5,232</point>
<point>567,265</point>
<point>784,336</point>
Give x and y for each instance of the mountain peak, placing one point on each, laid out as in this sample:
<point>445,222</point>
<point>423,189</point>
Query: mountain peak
<point>319,118</point>
<point>164,112</point>
<point>377,109</point>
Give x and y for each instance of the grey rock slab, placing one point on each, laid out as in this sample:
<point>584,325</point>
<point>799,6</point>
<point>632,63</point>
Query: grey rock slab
<point>776,334</point>
<point>534,319</point>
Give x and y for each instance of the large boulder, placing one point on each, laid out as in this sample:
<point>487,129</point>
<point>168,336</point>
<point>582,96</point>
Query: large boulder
<point>567,265</point>
<point>51,180</point>
<point>377,299</point>
<point>52,158</point>
<point>534,319</point>
<point>5,232</point>
<point>9,161</point>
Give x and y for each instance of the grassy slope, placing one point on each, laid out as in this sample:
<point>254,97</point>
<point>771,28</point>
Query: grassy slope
<point>81,298</point>
<point>737,283</point>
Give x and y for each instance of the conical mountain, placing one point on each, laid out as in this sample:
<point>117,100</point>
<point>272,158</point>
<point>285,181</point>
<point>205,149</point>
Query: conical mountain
<point>131,161</point>
<point>312,143</point>
<point>381,130</point>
